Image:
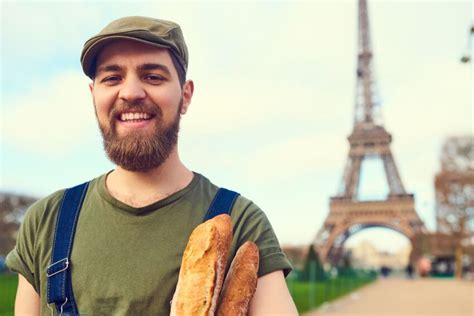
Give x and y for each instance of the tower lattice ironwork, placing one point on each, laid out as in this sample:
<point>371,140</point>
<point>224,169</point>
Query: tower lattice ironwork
<point>348,214</point>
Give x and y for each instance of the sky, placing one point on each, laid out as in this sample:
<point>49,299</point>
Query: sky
<point>273,102</point>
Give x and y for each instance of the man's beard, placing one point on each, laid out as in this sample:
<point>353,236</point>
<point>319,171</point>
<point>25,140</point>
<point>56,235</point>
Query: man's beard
<point>139,151</point>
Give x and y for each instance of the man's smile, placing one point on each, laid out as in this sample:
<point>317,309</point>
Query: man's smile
<point>135,119</point>
<point>134,116</point>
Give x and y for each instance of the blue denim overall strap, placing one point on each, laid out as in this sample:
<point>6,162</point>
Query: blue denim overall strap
<point>59,272</point>
<point>222,203</point>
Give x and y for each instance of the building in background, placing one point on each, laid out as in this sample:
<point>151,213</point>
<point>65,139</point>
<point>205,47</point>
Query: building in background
<point>365,255</point>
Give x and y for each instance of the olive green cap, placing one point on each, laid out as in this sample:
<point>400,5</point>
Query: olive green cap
<point>160,33</point>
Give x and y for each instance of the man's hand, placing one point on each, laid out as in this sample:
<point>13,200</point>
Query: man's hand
<point>27,300</point>
<point>272,297</point>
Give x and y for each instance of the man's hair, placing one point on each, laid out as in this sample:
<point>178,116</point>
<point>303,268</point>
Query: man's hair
<point>179,68</point>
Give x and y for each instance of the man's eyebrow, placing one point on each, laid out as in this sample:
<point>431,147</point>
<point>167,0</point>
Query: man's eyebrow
<point>151,66</point>
<point>109,68</point>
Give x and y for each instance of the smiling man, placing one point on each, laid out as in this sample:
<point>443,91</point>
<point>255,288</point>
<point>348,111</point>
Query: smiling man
<point>113,246</point>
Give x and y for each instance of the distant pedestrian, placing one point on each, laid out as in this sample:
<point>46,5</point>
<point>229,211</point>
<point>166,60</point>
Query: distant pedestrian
<point>385,271</point>
<point>409,271</point>
<point>424,266</point>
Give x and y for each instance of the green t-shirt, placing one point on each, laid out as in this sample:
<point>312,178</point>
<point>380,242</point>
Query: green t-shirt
<point>126,260</point>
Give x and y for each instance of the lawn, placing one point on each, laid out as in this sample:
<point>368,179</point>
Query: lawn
<point>8,284</point>
<point>310,295</point>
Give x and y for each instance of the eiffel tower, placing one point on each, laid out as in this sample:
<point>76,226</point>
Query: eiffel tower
<point>369,139</point>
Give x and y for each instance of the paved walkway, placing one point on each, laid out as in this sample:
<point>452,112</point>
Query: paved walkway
<point>399,297</point>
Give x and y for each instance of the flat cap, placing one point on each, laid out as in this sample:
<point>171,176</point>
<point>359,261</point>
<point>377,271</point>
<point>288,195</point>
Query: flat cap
<point>156,32</point>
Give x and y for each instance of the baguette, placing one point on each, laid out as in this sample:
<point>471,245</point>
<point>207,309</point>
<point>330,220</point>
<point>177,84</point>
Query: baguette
<point>203,268</point>
<point>240,283</point>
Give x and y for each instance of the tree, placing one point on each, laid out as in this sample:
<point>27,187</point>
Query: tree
<point>454,186</point>
<point>345,268</point>
<point>313,269</point>
<point>12,209</point>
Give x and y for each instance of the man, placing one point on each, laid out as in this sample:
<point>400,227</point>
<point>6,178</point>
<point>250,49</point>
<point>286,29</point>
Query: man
<point>135,220</point>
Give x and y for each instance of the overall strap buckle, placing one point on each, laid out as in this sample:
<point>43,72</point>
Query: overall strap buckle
<point>57,267</point>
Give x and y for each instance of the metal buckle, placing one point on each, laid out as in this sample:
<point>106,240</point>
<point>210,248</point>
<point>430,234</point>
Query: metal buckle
<point>63,269</point>
<point>51,309</point>
<point>62,307</point>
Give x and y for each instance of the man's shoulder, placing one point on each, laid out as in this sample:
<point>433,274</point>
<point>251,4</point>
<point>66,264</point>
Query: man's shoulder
<point>42,205</point>
<point>242,203</point>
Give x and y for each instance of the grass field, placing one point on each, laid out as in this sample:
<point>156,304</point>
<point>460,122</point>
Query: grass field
<point>309,295</point>
<point>8,284</point>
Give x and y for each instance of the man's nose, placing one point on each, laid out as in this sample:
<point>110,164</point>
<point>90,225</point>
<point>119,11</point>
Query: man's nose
<point>132,89</point>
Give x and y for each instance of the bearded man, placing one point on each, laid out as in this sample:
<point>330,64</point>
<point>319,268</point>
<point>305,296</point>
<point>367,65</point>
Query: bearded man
<point>113,246</point>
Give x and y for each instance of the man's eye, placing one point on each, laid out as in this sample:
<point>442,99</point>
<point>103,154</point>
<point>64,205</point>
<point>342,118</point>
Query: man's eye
<point>154,78</point>
<point>111,79</point>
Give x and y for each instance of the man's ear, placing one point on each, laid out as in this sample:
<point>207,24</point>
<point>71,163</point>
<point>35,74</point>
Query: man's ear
<point>91,87</point>
<point>188,90</point>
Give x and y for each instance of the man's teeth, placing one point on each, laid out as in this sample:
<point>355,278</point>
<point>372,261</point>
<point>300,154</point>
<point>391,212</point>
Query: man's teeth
<point>134,116</point>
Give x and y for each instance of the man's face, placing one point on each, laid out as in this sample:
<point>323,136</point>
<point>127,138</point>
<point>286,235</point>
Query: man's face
<point>138,102</point>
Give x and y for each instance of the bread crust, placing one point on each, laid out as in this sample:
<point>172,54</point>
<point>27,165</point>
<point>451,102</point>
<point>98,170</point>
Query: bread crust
<point>203,268</point>
<point>241,282</point>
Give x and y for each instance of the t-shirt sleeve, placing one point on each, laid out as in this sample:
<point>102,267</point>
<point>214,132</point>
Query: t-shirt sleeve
<point>251,223</point>
<point>21,258</point>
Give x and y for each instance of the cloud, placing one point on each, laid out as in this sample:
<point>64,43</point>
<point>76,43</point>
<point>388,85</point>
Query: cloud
<point>435,105</point>
<point>298,156</point>
<point>53,118</point>
<point>237,102</point>
<point>51,30</point>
